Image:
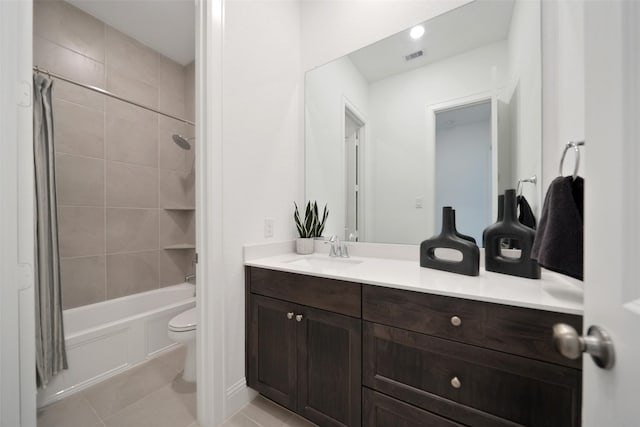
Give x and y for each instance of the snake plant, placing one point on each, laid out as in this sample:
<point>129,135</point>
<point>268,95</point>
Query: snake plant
<point>312,225</point>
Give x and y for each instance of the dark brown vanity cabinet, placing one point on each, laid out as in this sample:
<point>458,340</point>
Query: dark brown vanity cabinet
<point>346,354</point>
<point>305,358</point>
<point>474,363</point>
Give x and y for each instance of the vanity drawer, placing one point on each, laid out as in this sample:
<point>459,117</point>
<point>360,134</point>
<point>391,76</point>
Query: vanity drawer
<point>380,410</point>
<point>514,330</point>
<point>472,385</point>
<point>327,294</point>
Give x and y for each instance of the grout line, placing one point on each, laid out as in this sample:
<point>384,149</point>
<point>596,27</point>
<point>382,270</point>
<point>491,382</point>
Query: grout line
<point>91,406</point>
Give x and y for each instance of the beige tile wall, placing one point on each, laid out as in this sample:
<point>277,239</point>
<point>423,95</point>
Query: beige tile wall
<point>116,165</point>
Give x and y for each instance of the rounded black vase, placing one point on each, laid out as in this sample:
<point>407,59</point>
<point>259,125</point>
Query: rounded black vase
<point>510,233</point>
<point>449,238</point>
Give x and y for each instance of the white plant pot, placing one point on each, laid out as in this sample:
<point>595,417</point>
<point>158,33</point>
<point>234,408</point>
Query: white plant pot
<point>304,246</point>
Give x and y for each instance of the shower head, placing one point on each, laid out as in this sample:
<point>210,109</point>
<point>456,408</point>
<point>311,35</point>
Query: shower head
<point>181,141</point>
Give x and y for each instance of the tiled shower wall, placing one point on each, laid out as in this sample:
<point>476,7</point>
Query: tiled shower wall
<point>125,190</point>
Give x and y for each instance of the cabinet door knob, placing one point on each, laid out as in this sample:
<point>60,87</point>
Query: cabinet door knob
<point>298,317</point>
<point>455,382</point>
<point>456,321</point>
<point>290,315</point>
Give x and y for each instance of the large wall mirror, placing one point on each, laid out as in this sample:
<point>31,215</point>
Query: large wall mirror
<point>447,113</point>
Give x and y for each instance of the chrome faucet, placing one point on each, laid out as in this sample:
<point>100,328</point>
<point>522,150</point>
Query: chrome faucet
<point>338,249</point>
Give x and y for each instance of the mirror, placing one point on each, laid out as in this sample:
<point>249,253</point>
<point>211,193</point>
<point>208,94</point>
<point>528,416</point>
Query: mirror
<point>402,127</point>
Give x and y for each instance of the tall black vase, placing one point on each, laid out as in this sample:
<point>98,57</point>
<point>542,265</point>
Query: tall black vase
<point>510,229</point>
<point>449,239</point>
<point>500,218</point>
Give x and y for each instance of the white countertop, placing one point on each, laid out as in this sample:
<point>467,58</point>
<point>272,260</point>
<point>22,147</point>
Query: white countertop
<point>553,292</point>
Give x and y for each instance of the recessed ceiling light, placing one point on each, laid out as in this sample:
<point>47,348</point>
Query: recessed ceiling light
<point>417,32</point>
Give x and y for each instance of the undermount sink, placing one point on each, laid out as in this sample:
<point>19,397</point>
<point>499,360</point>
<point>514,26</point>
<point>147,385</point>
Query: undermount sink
<point>324,262</point>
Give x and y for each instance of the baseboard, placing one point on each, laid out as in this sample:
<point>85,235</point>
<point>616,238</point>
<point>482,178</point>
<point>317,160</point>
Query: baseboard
<point>238,395</point>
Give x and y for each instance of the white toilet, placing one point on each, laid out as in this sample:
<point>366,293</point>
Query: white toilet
<point>182,329</point>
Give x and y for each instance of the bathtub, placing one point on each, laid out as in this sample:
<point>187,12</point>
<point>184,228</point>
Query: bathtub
<point>107,338</point>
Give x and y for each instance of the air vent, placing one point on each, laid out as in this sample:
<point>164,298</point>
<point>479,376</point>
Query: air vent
<point>414,55</point>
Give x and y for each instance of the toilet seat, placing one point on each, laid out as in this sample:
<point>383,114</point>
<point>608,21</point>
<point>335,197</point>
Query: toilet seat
<point>184,322</point>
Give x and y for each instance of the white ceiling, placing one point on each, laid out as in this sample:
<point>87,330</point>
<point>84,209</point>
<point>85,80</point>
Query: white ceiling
<point>468,27</point>
<point>167,26</point>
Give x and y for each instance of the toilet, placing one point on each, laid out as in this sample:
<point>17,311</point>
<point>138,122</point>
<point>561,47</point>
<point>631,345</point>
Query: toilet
<point>182,329</point>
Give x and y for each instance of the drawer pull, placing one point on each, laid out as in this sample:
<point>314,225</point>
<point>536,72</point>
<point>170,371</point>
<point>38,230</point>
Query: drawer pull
<point>298,317</point>
<point>455,382</point>
<point>456,321</point>
<point>290,315</point>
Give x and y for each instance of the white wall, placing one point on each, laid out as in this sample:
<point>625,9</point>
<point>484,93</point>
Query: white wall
<point>401,166</point>
<point>325,90</point>
<point>563,95</point>
<point>262,150</point>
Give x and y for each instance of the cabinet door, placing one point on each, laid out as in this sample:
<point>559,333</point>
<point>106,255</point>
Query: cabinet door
<point>383,411</point>
<point>329,368</point>
<point>472,385</point>
<point>272,349</point>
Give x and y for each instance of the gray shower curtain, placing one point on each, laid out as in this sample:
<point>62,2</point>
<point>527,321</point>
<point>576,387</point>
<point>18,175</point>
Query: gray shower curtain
<point>51,356</point>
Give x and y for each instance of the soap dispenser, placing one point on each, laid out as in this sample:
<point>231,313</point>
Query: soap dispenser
<point>510,230</point>
<point>449,238</point>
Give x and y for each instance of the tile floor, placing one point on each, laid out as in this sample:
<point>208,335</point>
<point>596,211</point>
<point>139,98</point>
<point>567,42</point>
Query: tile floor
<point>154,395</point>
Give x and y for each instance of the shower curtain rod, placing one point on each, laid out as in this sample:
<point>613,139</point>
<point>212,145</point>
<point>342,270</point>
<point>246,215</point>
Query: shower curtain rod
<point>107,93</point>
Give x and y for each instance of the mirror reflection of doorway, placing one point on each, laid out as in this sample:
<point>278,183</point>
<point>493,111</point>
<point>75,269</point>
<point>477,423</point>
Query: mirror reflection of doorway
<point>463,176</point>
<point>353,137</point>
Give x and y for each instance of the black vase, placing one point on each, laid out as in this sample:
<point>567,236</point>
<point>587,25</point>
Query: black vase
<point>512,231</point>
<point>450,239</point>
<point>500,217</point>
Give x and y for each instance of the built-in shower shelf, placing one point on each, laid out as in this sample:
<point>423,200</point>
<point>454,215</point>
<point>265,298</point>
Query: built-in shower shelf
<point>179,208</point>
<point>180,246</point>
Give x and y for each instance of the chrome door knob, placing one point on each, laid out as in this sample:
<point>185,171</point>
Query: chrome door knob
<point>456,321</point>
<point>597,343</point>
<point>298,317</point>
<point>290,315</point>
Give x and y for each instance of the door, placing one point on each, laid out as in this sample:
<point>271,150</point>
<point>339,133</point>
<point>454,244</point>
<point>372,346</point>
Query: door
<point>272,349</point>
<point>353,130</point>
<point>329,371</point>
<point>17,318</point>
<point>612,205</point>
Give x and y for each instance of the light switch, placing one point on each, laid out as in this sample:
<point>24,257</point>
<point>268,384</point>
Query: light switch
<point>418,202</point>
<point>268,227</point>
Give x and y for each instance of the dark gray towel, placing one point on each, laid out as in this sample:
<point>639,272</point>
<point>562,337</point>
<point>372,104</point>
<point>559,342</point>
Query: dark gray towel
<point>558,245</point>
<point>525,215</point>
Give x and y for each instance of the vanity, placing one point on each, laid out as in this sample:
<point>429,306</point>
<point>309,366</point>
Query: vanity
<point>382,342</point>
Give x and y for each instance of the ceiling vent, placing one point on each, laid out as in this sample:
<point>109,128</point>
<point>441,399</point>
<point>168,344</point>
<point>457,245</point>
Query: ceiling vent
<point>414,55</point>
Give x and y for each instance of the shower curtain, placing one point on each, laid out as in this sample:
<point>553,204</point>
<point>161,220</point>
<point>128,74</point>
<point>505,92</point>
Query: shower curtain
<point>51,356</point>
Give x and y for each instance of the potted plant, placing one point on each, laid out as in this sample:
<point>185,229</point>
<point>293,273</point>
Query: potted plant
<point>309,227</point>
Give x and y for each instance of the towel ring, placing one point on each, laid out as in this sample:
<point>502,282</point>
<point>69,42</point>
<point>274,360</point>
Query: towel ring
<point>575,145</point>
<point>533,180</point>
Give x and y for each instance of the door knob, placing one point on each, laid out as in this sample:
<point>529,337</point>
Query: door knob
<point>298,317</point>
<point>290,315</point>
<point>597,343</point>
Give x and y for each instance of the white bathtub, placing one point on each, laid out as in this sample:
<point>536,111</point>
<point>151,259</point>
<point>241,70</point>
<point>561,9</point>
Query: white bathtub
<point>107,338</point>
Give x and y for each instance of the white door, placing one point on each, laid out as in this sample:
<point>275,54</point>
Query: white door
<point>353,129</point>
<point>17,319</point>
<point>612,209</point>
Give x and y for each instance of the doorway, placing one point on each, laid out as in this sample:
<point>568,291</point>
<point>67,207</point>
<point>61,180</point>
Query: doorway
<point>463,172</point>
<point>354,128</point>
